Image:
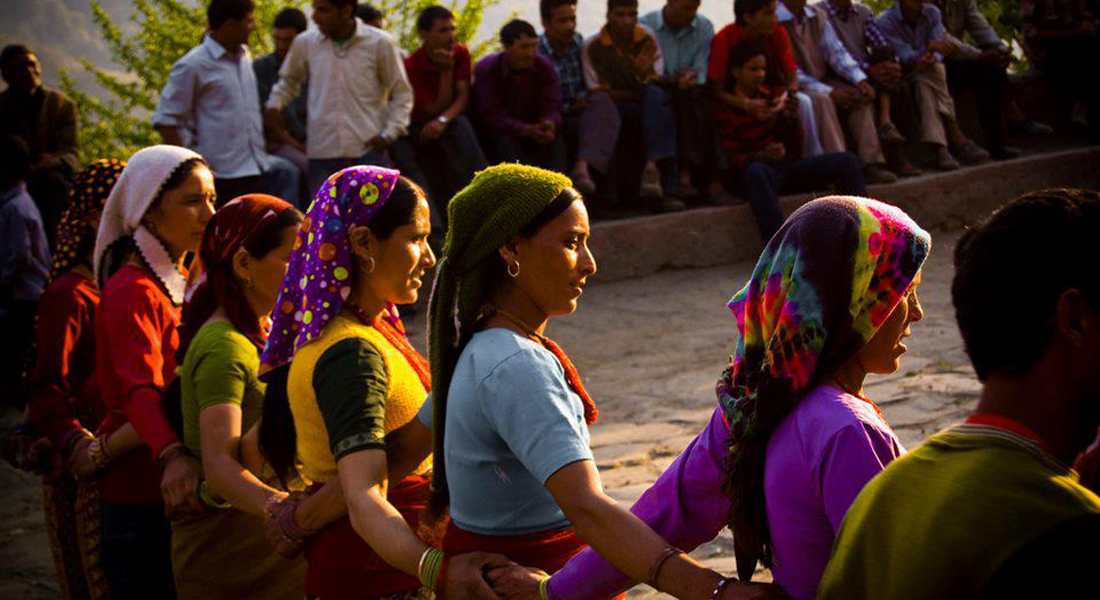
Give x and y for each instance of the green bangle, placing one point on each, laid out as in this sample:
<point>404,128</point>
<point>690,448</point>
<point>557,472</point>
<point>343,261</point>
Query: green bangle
<point>429,568</point>
<point>208,499</point>
<point>542,588</point>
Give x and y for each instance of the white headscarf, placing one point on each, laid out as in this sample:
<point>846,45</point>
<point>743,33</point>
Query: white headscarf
<point>140,183</point>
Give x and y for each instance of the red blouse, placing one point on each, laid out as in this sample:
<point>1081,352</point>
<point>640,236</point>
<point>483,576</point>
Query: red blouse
<point>136,343</point>
<point>66,395</point>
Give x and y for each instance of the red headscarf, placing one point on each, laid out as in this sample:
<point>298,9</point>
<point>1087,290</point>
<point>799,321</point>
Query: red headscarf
<point>237,224</point>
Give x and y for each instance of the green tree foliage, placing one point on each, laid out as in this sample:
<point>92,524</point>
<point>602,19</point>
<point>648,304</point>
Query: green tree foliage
<point>115,122</point>
<point>1003,15</point>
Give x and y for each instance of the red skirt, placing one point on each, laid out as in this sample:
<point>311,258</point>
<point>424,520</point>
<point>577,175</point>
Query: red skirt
<point>546,550</point>
<point>341,566</point>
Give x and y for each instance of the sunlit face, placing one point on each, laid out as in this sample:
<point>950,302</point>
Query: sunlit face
<point>562,24</point>
<point>751,74</point>
<point>882,354</point>
<point>331,19</point>
<point>23,73</point>
<point>402,259</point>
<point>266,272</point>
<point>440,36</point>
<point>283,37</point>
<point>555,263</point>
<point>621,20</point>
<point>761,22</point>
<point>521,53</point>
<point>179,218</point>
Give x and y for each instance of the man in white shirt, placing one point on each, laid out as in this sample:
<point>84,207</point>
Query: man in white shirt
<point>211,104</point>
<point>359,95</point>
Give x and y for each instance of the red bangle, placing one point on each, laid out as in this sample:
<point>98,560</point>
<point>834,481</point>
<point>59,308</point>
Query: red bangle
<point>658,562</point>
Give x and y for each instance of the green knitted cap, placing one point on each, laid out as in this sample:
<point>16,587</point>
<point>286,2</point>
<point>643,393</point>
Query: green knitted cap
<point>485,215</point>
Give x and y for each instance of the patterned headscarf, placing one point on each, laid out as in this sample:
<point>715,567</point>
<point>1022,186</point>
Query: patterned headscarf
<point>319,277</point>
<point>91,187</point>
<point>821,289</point>
<point>236,224</point>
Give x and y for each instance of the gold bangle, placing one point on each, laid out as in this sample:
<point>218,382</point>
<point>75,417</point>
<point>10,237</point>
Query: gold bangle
<point>208,498</point>
<point>543,593</point>
<point>430,563</point>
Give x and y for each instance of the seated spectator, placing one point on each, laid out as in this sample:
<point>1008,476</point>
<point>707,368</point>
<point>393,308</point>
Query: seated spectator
<point>624,60</point>
<point>837,86</point>
<point>518,102</point>
<point>684,37</point>
<point>24,264</point>
<point>981,67</point>
<point>290,143</point>
<point>755,22</point>
<point>359,96</point>
<point>211,105</point>
<point>440,152</point>
<point>914,30</point>
<point>590,121</point>
<point>1058,34</point>
<point>763,147</point>
<point>46,122</point>
<point>990,508</point>
<point>854,25</point>
<point>370,15</point>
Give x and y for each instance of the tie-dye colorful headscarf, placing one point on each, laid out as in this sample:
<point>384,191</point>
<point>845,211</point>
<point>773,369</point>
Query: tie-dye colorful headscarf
<point>319,277</point>
<point>822,287</point>
<point>79,223</point>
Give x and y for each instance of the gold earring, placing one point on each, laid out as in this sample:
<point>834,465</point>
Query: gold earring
<point>369,269</point>
<point>509,269</point>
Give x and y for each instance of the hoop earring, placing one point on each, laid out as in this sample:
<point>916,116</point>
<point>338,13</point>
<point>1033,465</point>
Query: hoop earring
<point>370,269</point>
<point>248,284</point>
<point>509,269</point>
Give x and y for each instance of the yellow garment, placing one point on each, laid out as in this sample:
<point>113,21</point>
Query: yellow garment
<point>404,396</point>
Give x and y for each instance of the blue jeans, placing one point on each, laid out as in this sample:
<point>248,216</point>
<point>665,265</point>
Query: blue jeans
<point>136,551</point>
<point>763,183</point>
<point>321,168</point>
<point>279,179</point>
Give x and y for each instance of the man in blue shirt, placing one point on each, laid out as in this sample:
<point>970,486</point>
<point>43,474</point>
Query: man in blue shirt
<point>685,36</point>
<point>24,263</point>
<point>211,103</point>
<point>589,119</point>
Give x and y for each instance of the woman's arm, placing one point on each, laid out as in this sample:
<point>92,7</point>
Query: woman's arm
<point>622,538</point>
<point>220,436</point>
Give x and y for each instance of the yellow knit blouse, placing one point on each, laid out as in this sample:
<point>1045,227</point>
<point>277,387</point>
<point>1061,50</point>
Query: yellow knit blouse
<point>404,396</point>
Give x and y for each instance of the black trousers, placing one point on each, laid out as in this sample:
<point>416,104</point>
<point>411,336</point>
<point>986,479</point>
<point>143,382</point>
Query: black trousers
<point>989,84</point>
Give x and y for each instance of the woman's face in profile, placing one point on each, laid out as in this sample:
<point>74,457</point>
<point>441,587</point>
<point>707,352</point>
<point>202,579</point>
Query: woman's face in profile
<point>555,263</point>
<point>882,354</point>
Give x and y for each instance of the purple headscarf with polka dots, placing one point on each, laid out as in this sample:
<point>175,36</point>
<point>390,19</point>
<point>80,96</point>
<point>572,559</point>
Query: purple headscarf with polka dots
<point>319,276</point>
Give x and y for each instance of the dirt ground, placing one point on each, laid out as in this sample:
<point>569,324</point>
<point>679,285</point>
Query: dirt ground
<point>650,351</point>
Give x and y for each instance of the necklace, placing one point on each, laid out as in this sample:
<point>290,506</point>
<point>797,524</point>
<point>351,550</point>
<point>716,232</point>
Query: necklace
<point>572,377</point>
<point>395,335</point>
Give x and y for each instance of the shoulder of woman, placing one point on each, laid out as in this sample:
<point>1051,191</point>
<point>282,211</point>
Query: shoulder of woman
<point>353,355</point>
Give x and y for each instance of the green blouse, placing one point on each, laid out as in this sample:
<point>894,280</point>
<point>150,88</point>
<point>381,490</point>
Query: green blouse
<point>221,367</point>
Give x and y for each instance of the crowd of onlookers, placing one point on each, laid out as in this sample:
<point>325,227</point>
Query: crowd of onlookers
<point>656,107</point>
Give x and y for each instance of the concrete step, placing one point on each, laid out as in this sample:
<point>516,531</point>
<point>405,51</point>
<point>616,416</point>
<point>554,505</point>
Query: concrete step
<point>704,237</point>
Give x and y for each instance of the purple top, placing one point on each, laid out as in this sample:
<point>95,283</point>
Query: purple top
<point>688,507</point>
<point>818,460</point>
<point>507,99</point>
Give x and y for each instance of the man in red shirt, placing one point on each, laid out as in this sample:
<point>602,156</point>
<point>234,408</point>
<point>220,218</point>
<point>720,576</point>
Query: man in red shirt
<point>755,22</point>
<point>441,151</point>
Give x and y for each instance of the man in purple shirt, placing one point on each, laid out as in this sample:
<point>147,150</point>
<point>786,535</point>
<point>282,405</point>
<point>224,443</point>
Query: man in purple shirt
<point>518,102</point>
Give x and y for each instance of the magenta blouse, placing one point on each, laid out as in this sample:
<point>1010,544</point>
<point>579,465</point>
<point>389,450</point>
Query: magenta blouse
<point>817,461</point>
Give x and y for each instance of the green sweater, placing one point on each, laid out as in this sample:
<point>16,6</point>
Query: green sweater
<point>941,521</point>
<point>220,368</point>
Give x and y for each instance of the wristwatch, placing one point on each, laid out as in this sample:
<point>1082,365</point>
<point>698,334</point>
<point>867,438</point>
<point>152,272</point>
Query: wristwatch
<point>442,119</point>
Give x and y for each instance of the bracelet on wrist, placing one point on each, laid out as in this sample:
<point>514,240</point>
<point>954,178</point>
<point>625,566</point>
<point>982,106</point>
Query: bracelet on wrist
<point>721,586</point>
<point>543,585</point>
<point>655,568</point>
<point>431,563</point>
<point>172,454</point>
<point>74,438</point>
<point>208,498</point>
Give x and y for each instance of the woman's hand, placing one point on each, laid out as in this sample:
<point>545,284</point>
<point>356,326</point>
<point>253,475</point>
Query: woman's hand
<point>747,590</point>
<point>180,485</point>
<point>516,582</point>
<point>464,576</point>
<point>81,464</point>
<point>279,527</point>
